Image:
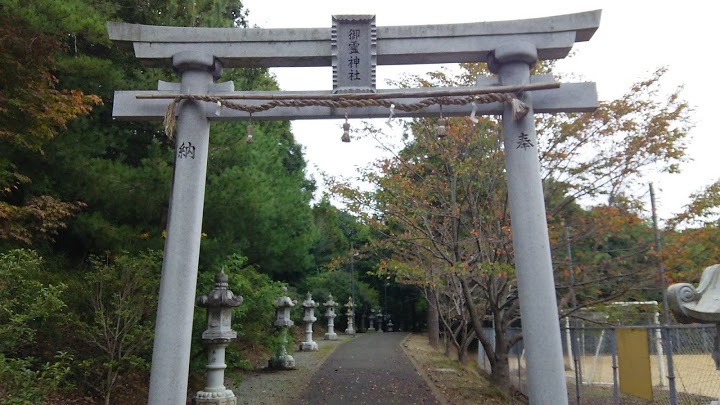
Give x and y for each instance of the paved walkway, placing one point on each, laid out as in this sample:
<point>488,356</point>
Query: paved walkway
<point>370,369</point>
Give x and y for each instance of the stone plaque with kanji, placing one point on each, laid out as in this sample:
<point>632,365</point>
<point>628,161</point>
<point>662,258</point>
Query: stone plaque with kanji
<point>354,55</point>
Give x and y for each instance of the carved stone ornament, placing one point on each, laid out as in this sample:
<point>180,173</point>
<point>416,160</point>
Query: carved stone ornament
<point>697,305</point>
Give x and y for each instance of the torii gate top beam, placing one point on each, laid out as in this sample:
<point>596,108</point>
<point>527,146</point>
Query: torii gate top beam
<point>553,37</point>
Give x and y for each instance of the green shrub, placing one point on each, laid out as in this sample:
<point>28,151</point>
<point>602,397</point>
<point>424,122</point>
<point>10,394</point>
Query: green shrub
<point>339,284</point>
<point>253,320</point>
<point>26,306</point>
<point>123,291</point>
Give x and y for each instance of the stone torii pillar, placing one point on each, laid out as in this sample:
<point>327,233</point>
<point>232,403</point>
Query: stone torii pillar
<point>536,286</point>
<point>173,329</point>
<point>509,47</point>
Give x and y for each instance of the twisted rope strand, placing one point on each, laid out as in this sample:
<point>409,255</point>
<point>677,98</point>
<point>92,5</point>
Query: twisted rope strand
<point>519,108</point>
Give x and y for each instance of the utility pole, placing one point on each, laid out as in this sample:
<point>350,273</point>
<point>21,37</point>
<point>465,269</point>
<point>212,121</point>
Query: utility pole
<point>574,346</point>
<point>352,273</point>
<point>665,333</point>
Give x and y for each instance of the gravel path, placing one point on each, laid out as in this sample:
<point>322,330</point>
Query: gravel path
<point>283,387</point>
<point>370,369</point>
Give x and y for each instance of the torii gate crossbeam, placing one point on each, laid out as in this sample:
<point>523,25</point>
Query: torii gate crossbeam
<point>510,48</point>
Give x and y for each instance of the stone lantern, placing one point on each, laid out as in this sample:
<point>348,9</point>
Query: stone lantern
<point>330,315</point>
<point>282,360</point>
<point>219,303</point>
<point>282,310</point>
<point>389,323</point>
<point>351,316</point>
<point>371,321</point>
<point>309,318</point>
<point>379,321</point>
<point>699,305</point>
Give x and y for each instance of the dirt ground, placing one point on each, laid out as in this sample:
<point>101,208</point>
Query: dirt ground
<point>695,374</point>
<point>452,382</point>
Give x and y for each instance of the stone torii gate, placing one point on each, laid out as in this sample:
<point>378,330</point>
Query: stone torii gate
<point>510,48</point>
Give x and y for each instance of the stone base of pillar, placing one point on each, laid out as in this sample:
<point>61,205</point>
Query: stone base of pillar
<point>349,331</point>
<point>284,362</point>
<point>331,336</point>
<point>226,397</point>
<point>308,346</point>
<point>371,329</point>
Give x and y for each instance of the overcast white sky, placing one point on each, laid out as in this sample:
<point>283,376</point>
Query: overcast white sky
<point>634,39</point>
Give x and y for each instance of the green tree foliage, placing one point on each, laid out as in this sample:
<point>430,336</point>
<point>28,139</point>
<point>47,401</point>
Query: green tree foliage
<point>27,306</point>
<point>77,184</point>
<point>123,295</point>
<point>24,382</point>
<point>258,200</point>
<point>340,285</point>
<point>33,109</point>
<point>691,240</point>
<point>26,301</point>
<point>252,320</point>
<point>612,256</point>
<point>120,172</point>
<point>330,240</point>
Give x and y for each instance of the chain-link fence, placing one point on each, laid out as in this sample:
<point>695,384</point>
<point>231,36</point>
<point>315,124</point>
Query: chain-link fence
<point>682,369</point>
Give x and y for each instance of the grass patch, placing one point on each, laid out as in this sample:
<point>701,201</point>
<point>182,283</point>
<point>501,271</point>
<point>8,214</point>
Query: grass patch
<point>454,382</point>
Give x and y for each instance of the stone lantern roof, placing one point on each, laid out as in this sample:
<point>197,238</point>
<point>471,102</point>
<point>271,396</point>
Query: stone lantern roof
<point>330,302</point>
<point>309,302</point>
<point>284,301</point>
<point>220,296</point>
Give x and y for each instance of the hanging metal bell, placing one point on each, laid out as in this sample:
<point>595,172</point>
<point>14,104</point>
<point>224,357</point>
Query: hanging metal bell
<point>346,133</point>
<point>249,134</point>
<point>441,129</point>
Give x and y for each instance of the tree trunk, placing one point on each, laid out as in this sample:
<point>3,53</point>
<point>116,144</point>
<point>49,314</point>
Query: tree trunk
<point>433,320</point>
<point>446,338</point>
<point>463,354</point>
<point>112,375</point>
<point>362,327</point>
<point>500,374</point>
<point>500,369</point>
<point>413,317</point>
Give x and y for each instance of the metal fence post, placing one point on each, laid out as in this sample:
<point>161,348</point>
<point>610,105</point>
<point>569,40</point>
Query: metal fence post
<point>659,349</point>
<point>616,385</point>
<point>667,342</point>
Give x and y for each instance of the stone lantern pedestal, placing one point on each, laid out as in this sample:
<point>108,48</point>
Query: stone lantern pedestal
<point>351,317</point>
<point>380,322</point>
<point>308,345</point>
<point>371,321</point>
<point>282,359</point>
<point>330,315</point>
<point>699,305</point>
<point>219,303</point>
